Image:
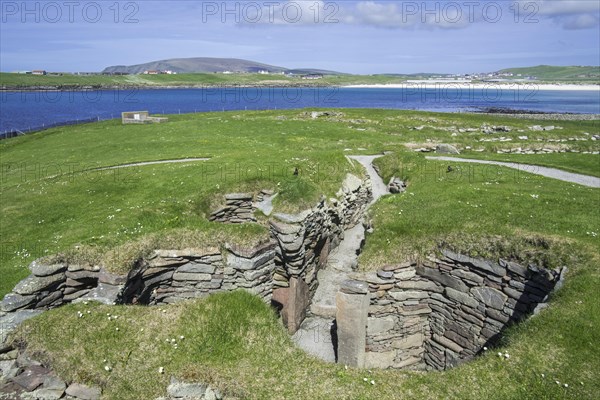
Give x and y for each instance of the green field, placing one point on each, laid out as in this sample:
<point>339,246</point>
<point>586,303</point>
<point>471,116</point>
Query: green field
<point>21,81</point>
<point>52,203</point>
<point>559,74</point>
<point>68,81</point>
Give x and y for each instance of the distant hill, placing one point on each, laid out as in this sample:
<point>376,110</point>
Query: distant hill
<point>551,73</point>
<point>207,65</point>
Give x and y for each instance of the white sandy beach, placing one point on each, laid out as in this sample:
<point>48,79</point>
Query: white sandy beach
<point>531,87</point>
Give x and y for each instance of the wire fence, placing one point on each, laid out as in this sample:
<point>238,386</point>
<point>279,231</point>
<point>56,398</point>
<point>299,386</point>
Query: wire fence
<point>10,133</point>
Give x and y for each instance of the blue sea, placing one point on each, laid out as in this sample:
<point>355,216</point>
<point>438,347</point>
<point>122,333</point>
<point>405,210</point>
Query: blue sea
<point>26,111</point>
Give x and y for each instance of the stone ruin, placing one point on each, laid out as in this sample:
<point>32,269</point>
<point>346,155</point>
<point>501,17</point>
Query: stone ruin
<point>428,315</point>
<point>437,313</point>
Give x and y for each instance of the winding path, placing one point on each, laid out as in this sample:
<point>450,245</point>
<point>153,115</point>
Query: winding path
<point>585,180</point>
<point>378,186</point>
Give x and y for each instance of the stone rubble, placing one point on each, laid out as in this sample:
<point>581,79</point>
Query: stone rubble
<point>397,186</point>
<point>24,378</point>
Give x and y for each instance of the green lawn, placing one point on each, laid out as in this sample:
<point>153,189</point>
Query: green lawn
<point>52,204</point>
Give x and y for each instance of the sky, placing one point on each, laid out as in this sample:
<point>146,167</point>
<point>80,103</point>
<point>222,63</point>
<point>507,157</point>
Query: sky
<point>362,37</point>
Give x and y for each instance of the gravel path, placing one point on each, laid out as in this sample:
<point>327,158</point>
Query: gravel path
<point>585,180</point>
<point>141,164</point>
<point>378,186</point>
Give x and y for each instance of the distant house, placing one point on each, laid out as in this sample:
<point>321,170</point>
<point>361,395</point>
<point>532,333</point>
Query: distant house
<point>263,72</point>
<point>140,117</point>
<point>39,72</point>
<point>312,77</point>
<point>169,72</point>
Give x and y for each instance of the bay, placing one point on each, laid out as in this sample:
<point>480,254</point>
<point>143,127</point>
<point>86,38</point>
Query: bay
<point>27,110</point>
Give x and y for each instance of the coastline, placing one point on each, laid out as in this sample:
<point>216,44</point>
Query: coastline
<point>532,87</point>
<point>65,88</point>
<point>420,85</point>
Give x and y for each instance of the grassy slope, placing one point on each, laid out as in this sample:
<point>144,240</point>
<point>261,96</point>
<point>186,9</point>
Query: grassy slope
<point>107,208</point>
<point>235,342</point>
<point>562,74</point>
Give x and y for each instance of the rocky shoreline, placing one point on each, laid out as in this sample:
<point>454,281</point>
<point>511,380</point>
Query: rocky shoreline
<point>540,115</point>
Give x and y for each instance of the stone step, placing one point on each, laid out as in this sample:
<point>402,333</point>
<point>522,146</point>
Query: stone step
<point>315,338</point>
<point>323,309</point>
<point>323,303</point>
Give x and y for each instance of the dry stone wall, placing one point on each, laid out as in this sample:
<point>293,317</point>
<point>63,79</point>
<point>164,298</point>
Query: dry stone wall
<point>167,276</point>
<point>174,276</point>
<point>443,311</point>
<point>305,240</point>
<point>238,209</point>
<point>50,286</point>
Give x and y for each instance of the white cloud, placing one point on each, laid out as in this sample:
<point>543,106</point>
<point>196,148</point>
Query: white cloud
<point>412,14</point>
<point>584,21</point>
<point>569,14</point>
<point>391,15</point>
<point>423,14</point>
<point>567,7</point>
